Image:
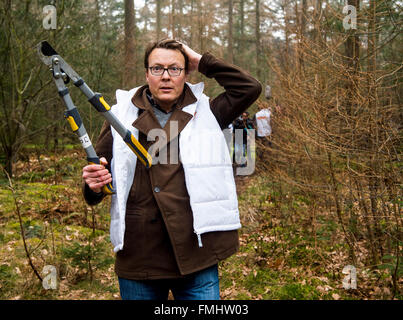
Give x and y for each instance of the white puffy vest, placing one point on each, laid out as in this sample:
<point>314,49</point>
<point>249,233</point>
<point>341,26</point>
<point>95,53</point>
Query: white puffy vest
<point>205,158</point>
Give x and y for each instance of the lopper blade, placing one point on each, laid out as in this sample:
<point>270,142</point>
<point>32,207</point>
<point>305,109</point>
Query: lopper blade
<point>47,54</point>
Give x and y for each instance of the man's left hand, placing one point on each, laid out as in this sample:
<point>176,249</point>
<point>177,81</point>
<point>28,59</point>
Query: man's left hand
<point>194,58</point>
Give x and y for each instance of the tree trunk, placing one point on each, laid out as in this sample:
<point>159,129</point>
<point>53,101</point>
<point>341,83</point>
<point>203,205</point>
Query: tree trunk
<point>257,39</point>
<point>179,20</point>
<point>129,78</point>
<point>241,39</point>
<point>192,26</point>
<point>301,35</point>
<point>200,25</point>
<point>158,18</point>
<point>97,21</point>
<point>172,18</point>
<point>230,36</point>
<point>317,23</point>
<point>145,29</point>
<point>374,116</point>
<point>286,55</point>
<point>352,53</point>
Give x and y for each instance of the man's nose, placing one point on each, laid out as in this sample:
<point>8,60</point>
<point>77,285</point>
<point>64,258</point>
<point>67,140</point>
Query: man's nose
<point>165,74</point>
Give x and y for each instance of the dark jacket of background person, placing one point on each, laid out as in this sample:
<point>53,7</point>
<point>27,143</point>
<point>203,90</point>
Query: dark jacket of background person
<point>244,125</point>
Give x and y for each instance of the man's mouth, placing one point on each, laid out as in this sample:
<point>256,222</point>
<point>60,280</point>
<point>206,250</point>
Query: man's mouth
<point>166,89</point>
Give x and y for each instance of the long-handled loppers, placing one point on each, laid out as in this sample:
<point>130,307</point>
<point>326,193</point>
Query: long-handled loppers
<point>62,72</point>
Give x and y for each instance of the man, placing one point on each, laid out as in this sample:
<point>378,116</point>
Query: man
<point>172,223</point>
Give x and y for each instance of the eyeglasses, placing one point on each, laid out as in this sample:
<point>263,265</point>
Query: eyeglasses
<point>159,71</point>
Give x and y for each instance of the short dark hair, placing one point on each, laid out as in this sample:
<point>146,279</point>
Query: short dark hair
<point>166,44</point>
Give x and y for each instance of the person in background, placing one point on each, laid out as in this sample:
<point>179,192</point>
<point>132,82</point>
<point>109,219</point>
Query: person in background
<point>262,119</point>
<point>263,125</point>
<point>247,126</point>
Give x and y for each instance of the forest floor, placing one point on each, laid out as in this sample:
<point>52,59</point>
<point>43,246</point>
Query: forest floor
<point>286,252</point>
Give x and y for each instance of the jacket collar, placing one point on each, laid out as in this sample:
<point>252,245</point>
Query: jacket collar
<point>147,120</point>
<point>141,101</point>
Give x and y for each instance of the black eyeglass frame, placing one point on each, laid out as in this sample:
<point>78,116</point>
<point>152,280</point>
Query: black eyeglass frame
<point>167,70</point>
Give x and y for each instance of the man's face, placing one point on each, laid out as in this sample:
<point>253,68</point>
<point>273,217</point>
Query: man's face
<point>244,116</point>
<point>166,89</point>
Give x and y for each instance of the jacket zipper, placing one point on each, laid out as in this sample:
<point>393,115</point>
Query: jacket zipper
<point>199,239</point>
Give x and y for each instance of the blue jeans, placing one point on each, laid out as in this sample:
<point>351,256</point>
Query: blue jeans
<point>201,285</point>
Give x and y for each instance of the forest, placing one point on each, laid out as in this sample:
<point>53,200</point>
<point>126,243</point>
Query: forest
<point>322,212</point>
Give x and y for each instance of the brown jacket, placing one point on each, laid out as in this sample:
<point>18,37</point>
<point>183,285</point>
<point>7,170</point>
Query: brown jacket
<point>159,241</point>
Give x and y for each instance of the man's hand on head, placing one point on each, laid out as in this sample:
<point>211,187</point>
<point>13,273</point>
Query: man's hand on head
<point>194,58</point>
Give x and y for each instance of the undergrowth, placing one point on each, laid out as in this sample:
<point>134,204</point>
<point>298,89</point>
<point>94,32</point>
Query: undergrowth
<point>287,250</point>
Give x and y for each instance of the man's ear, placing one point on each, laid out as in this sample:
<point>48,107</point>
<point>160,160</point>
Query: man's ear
<point>146,74</point>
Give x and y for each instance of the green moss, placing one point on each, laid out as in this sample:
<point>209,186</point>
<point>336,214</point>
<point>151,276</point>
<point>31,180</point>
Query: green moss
<point>242,296</point>
<point>7,280</point>
<point>298,291</point>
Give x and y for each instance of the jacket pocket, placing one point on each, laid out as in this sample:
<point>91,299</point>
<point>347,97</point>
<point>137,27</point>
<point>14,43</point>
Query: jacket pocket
<point>132,255</point>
